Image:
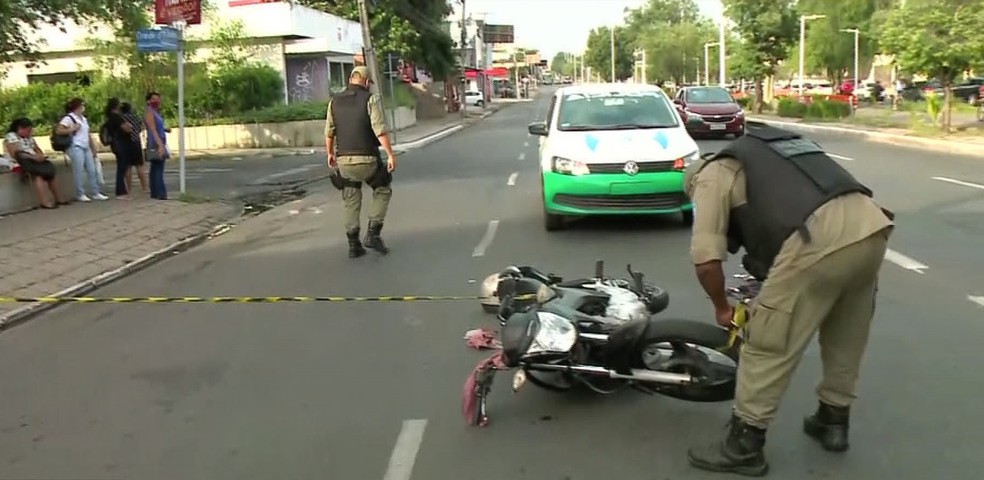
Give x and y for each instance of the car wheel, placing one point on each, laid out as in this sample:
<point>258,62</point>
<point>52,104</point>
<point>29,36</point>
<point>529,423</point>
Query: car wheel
<point>688,217</point>
<point>480,103</point>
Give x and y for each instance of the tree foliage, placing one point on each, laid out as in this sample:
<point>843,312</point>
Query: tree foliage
<point>21,18</point>
<point>412,29</point>
<point>598,55</point>
<point>938,38</point>
<point>767,28</point>
<point>561,64</point>
<point>831,51</point>
<point>673,36</point>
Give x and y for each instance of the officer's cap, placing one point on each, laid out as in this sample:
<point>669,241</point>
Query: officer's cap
<point>361,71</point>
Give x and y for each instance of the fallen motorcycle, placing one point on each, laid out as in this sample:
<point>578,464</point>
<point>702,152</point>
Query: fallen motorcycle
<point>601,334</point>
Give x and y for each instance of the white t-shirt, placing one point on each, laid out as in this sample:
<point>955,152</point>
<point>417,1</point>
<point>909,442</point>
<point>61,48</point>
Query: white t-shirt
<point>81,137</point>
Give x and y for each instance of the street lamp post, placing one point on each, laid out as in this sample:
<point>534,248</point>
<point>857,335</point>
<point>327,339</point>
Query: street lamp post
<point>721,34</point>
<point>707,63</point>
<point>802,52</point>
<point>857,43</point>
<point>612,39</point>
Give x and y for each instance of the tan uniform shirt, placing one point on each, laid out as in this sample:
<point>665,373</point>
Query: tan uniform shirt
<point>376,118</point>
<point>720,186</point>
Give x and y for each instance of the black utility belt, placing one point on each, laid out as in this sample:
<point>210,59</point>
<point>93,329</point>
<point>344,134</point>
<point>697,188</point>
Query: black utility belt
<point>362,153</point>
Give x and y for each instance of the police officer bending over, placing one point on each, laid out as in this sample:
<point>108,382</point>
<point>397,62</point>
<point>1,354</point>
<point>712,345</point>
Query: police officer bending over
<point>355,128</point>
<point>814,236</point>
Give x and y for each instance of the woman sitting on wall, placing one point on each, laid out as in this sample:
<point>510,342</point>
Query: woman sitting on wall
<point>35,167</point>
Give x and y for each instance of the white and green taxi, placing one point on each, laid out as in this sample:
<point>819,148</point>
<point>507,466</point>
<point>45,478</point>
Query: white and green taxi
<point>613,149</point>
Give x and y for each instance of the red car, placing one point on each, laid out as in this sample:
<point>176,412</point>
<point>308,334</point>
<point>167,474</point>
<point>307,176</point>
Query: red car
<point>710,111</point>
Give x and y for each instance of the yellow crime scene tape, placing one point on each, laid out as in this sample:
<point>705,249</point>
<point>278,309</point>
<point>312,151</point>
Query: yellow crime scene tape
<point>399,298</point>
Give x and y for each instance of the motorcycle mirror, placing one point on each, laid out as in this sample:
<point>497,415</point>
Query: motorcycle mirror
<point>600,269</point>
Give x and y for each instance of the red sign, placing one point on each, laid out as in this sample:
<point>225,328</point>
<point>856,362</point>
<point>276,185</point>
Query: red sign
<point>240,3</point>
<point>169,11</point>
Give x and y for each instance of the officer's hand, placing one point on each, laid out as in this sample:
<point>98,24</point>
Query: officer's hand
<point>331,160</point>
<point>390,164</point>
<point>725,317</point>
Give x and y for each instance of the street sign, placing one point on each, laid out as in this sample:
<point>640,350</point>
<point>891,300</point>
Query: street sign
<point>171,11</point>
<point>165,39</point>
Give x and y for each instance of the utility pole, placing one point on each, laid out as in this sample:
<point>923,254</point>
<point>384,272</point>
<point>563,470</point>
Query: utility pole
<point>721,35</point>
<point>464,59</point>
<point>612,39</point>
<point>368,51</point>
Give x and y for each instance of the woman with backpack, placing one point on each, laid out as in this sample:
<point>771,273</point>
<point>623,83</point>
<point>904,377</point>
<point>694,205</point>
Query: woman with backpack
<point>78,145</point>
<point>120,135</point>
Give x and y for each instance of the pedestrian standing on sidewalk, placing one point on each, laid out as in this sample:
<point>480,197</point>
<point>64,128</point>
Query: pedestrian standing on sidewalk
<point>157,152</point>
<point>137,160</point>
<point>82,150</point>
<point>355,128</point>
<point>120,139</point>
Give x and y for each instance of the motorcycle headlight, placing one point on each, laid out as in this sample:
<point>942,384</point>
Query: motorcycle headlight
<point>555,334</point>
<point>569,167</point>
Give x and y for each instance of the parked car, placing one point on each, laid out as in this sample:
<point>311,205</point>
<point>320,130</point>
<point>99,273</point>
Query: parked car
<point>613,149</point>
<point>710,110</point>
<point>474,98</point>
<point>967,90</point>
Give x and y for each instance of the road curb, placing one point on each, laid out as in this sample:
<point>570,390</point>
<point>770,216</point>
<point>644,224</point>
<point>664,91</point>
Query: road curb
<point>947,146</point>
<point>21,315</point>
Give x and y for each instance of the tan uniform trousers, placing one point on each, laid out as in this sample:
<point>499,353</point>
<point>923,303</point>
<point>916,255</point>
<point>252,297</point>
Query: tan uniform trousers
<point>834,295</point>
<point>360,169</point>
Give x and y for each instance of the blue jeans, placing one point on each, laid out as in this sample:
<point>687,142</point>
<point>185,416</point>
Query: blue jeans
<point>83,163</point>
<point>157,188</point>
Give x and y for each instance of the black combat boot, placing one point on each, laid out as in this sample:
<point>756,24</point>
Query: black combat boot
<point>373,240</point>
<point>741,452</point>
<point>355,246</point>
<point>829,426</point>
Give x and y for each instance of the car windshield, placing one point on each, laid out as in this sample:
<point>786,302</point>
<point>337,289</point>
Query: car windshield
<point>615,111</point>
<point>708,95</point>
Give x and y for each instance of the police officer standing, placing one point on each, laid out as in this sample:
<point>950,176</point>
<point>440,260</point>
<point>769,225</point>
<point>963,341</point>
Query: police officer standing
<point>814,236</point>
<point>355,128</point>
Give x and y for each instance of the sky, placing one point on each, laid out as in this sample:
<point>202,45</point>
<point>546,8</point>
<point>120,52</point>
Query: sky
<point>562,25</point>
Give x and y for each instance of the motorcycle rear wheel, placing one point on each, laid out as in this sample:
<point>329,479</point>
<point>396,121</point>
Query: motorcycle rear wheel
<point>691,345</point>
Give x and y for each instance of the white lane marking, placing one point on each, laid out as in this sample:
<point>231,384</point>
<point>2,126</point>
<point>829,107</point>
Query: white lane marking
<point>405,451</point>
<point>285,173</point>
<point>512,179</point>
<point>839,157</point>
<point>905,262</point>
<point>483,245</point>
<point>977,300</point>
<point>959,182</point>
<point>522,156</point>
<point>526,144</point>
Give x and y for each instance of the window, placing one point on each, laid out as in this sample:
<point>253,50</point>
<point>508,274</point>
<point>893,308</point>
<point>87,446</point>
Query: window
<point>709,95</point>
<point>616,111</point>
<point>550,110</point>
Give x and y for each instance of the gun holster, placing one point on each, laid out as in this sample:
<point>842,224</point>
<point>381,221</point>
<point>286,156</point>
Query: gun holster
<point>340,182</point>
<point>381,177</point>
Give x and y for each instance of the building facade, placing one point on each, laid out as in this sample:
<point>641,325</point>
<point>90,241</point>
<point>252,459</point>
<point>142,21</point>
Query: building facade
<point>314,51</point>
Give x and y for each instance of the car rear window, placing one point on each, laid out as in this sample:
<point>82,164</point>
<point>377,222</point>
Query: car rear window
<point>606,111</point>
<point>708,95</point>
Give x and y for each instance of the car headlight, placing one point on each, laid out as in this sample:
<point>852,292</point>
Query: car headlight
<point>555,334</point>
<point>741,113</point>
<point>569,167</point>
<point>686,160</point>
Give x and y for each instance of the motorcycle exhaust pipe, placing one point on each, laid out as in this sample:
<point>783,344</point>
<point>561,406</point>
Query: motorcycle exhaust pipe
<point>637,374</point>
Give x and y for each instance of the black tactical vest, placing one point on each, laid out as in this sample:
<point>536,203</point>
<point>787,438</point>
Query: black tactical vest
<point>353,129</point>
<point>787,178</point>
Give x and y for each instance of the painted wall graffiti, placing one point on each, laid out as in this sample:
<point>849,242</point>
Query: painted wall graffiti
<point>307,79</point>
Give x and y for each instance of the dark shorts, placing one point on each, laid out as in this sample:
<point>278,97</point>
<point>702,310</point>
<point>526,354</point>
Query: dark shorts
<point>130,153</point>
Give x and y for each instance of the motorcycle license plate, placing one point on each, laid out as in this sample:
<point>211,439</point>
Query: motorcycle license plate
<point>519,379</point>
<point>717,126</point>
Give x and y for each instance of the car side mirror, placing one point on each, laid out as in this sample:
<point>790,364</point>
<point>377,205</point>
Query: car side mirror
<point>538,128</point>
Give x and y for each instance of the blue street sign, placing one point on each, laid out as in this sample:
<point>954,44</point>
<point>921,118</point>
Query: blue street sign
<point>164,39</point>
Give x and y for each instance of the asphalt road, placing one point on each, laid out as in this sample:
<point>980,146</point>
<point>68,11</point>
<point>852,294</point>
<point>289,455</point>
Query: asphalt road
<point>294,391</point>
<point>233,177</point>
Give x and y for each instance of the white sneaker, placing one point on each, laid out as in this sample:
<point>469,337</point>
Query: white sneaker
<point>100,197</point>
<point>83,198</point>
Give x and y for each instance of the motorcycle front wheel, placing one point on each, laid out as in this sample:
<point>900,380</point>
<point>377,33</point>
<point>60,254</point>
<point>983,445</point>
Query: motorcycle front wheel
<point>693,348</point>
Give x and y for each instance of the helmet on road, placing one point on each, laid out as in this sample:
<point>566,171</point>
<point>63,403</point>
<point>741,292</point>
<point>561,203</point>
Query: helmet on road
<point>488,291</point>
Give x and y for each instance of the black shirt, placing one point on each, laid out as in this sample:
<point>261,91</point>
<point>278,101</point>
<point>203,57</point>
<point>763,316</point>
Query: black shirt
<point>121,138</point>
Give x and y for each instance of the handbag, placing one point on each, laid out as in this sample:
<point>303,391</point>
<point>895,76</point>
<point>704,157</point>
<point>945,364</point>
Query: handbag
<point>60,143</point>
<point>44,169</point>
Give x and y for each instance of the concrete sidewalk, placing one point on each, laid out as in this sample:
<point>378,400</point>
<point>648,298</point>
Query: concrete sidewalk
<point>46,252</point>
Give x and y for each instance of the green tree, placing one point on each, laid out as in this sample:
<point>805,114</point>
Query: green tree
<point>767,28</point>
<point>560,64</point>
<point>673,35</point>
<point>939,38</point>
<point>598,55</point>
<point>412,29</point>
<point>21,18</point>
<point>831,51</point>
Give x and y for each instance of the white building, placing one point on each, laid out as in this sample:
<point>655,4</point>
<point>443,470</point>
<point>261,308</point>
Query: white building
<point>313,50</point>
